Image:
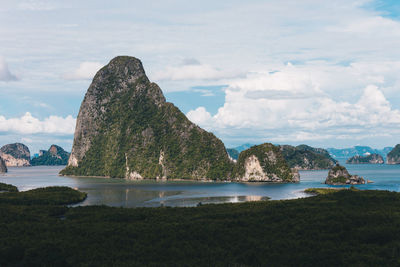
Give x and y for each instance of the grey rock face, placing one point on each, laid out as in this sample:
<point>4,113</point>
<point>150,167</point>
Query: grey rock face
<point>3,167</point>
<point>126,129</point>
<point>125,71</point>
<point>264,163</point>
<point>16,154</point>
<point>339,175</point>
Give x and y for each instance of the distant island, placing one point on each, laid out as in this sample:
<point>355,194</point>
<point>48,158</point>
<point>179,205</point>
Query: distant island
<point>357,150</point>
<point>367,159</point>
<point>15,155</point>
<point>55,155</point>
<point>304,157</point>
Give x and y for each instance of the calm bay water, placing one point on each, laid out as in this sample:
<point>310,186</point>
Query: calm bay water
<point>119,192</point>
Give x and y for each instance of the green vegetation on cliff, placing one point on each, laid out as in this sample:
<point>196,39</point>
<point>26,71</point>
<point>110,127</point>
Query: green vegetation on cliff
<point>304,157</point>
<point>136,134</point>
<point>358,228</point>
<point>393,157</point>
<point>270,160</point>
<point>54,156</point>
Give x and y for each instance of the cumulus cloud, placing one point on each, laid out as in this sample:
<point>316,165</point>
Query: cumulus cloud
<point>5,74</point>
<point>27,124</point>
<point>200,116</point>
<point>297,104</point>
<point>85,71</point>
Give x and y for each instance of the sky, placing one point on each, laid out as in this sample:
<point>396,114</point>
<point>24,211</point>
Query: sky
<point>322,73</point>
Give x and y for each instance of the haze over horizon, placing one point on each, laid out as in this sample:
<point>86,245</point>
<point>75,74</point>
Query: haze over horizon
<point>324,74</point>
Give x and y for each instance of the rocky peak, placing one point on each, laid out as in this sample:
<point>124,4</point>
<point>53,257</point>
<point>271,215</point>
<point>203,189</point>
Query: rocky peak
<point>16,154</point>
<point>125,126</point>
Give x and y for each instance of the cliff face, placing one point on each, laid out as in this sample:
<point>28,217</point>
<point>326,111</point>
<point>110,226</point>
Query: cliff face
<point>339,175</point>
<point>369,159</point>
<point>393,157</point>
<point>125,128</point>
<point>304,157</point>
<point>3,167</point>
<point>16,155</point>
<point>55,155</point>
<point>264,163</point>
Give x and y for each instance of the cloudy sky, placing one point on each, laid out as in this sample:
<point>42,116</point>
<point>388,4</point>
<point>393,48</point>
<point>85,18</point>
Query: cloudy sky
<point>324,73</point>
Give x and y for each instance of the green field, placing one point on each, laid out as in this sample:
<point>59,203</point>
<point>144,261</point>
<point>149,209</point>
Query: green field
<point>347,227</point>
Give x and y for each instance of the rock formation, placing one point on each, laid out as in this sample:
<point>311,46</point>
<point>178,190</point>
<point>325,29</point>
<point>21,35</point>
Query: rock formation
<point>368,159</point>
<point>3,167</point>
<point>339,175</point>
<point>56,155</point>
<point>125,128</point>
<point>304,157</point>
<point>264,163</point>
<point>15,155</point>
<point>393,157</point>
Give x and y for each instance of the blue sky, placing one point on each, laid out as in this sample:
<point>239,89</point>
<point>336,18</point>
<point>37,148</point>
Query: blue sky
<point>324,73</point>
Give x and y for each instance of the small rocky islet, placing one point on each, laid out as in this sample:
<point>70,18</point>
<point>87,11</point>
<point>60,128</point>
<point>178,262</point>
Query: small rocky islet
<point>339,175</point>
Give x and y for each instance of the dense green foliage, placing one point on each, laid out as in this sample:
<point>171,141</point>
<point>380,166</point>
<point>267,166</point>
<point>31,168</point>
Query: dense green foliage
<point>307,158</point>
<point>324,191</point>
<point>357,228</point>
<point>54,156</point>
<point>136,127</point>
<point>233,153</point>
<point>55,195</point>
<point>263,153</point>
<point>394,155</point>
<point>8,187</point>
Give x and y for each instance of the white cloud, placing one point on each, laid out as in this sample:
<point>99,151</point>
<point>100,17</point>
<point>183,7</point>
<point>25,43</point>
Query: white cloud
<point>301,103</point>
<point>200,116</point>
<point>85,71</point>
<point>5,74</point>
<point>27,124</point>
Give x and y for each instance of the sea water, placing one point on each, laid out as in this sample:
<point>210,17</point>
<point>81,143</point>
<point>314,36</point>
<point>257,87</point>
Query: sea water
<point>149,193</point>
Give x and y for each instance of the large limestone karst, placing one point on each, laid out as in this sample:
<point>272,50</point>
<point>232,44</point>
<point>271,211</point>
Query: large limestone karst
<point>393,157</point>
<point>16,154</point>
<point>264,163</point>
<point>125,128</point>
<point>304,157</point>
